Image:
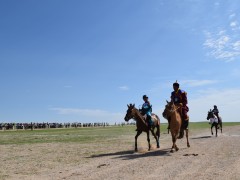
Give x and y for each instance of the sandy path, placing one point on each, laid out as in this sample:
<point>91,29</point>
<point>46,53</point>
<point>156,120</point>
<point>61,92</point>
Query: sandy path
<point>207,158</point>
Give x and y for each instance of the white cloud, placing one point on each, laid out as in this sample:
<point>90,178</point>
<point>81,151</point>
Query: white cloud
<point>222,46</point>
<point>234,24</point>
<point>89,115</point>
<point>231,16</point>
<point>236,46</point>
<point>124,88</point>
<point>227,100</point>
<point>195,83</point>
<point>186,82</point>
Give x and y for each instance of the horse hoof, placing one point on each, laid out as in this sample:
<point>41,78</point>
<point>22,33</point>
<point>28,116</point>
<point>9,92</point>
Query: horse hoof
<point>177,149</point>
<point>171,151</point>
<point>158,146</point>
<point>136,150</point>
<point>188,145</point>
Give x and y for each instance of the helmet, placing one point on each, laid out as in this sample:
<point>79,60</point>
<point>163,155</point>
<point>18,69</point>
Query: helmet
<point>214,106</point>
<point>145,96</point>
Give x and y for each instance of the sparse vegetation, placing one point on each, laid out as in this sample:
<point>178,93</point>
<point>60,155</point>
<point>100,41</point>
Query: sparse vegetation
<point>82,135</point>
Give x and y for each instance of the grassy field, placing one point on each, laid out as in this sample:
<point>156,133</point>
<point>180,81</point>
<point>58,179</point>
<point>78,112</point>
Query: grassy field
<point>82,135</point>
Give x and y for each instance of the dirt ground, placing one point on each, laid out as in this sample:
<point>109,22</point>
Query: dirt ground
<point>209,157</point>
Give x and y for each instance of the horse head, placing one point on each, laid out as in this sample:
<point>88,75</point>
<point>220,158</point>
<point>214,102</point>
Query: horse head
<point>130,114</point>
<point>210,114</point>
<point>170,107</point>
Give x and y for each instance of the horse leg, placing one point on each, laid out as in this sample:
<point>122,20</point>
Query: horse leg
<point>211,129</point>
<point>138,133</point>
<point>188,145</point>
<point>157,138</point>
<point>174,138</point>
<point>221,126</point>
<point>158,135</point>
<point>216,127</point>
<point>148,139</point>
<point>176,148</point>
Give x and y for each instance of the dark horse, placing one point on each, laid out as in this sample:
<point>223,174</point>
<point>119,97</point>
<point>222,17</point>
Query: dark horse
<point>142,126</point>
<point>214,121</point>
<point>171,112</point>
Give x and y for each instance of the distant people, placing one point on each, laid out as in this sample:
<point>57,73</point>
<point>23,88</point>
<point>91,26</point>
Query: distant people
<point>147,110</point>
<point>179,97</point>
<point>216,112</point>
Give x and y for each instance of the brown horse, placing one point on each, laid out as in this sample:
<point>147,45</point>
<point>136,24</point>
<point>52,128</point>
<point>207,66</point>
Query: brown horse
<point>142,126</point>
<point>171,112</point>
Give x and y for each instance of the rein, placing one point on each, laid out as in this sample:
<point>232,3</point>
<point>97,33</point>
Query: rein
<point>138,117</point>
<point>173,110</point>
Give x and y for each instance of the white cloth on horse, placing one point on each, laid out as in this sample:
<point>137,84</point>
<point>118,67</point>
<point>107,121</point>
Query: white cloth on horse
<point>220,119</point>
<point>214,119</point>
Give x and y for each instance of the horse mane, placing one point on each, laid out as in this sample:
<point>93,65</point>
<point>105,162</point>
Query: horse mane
<point>139,115</point>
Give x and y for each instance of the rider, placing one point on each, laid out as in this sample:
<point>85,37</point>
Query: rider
<point>215,111</point>
<point>179,97</point>
<point>147,109</point>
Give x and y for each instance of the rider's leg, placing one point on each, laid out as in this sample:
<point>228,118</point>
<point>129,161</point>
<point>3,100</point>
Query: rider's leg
<point>184,119</point>
<point>169,119</point>
<point>181,133</point>
<point>149,121</point>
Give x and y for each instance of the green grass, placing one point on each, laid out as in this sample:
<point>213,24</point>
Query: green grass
<point>81,135</point>
<point>203,125</point>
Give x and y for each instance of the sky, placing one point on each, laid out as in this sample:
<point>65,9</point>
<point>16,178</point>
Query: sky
<point>84,61</point>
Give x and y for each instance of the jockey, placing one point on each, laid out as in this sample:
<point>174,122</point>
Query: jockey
<point>179,97</point>
<point>216,112</point>
<point>147,109</point>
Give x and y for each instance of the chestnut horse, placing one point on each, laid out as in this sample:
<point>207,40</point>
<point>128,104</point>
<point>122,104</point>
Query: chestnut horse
<point>142,126</point>
<point>171,112</point>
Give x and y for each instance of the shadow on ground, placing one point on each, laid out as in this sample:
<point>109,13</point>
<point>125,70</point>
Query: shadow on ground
<point>202,137</point>
<point>130,154</point>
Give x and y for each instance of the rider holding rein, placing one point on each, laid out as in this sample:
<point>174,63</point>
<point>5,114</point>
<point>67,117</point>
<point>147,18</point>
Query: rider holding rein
<point>179,98</point>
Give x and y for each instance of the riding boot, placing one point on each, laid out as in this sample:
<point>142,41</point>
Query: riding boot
<point>149,121</point>
<point>181,134</point>
<point>168,124</point>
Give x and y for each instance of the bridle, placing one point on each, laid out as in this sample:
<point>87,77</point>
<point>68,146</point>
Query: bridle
<point>130,114</point>
<point>173,109</point>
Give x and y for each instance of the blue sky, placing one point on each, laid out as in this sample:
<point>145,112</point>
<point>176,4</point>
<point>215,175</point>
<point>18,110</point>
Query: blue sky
<point>68,61</point>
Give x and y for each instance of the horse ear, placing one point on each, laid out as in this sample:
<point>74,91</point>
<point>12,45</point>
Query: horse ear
<point>167,101</point>
<point>128,106</point>
<point>133,105</point>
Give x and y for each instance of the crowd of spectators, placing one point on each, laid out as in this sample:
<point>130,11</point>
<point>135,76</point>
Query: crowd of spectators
<point>13,126</point>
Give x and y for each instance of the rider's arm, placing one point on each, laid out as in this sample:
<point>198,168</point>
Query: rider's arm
<point>184,98</point>
<point>172,97</point>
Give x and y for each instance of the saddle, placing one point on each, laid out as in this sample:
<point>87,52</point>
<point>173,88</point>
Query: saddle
<point>214,119</point>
